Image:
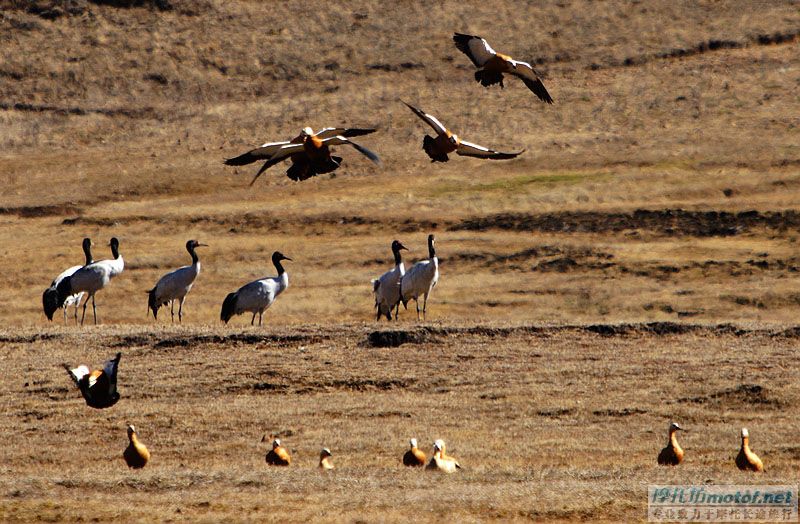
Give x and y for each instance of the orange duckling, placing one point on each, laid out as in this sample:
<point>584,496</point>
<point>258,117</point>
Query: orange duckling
<point>746,460</point>
<point>672,454</point>
<point>278,455</point>
<point>414,457</point>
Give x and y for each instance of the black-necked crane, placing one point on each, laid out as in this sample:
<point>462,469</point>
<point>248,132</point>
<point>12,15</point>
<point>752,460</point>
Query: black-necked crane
<point>50,295</point>
<point>491,65</point>
<point>309,152</point>
<point>420,279</point>
<point>98,387</point>
<point>414,457</point>
<point>325,460</point>
<point>441,461</point>
<point>175,285</point>
<point>136,454</point>
<point>258,295</point>
<point>446,142</point>
<point>672,454</point>
<point>91,279</point>
<point>387,287</point>
<point>746,460</point>
<point>278,455</point>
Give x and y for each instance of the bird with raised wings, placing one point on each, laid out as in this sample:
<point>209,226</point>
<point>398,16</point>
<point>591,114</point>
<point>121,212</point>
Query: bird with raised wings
<point>491,65</point>
<point>447,142</point>
<point>98,387</point>
<point>309,152</point>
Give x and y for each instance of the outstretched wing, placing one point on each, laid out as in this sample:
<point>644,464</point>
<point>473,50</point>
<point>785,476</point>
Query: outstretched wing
<point>76,374</point>
<point>476,48</point>
<point>340,140</point>
<point>263,152</point>
<point>110,370</point>
<point>329,132</point>
<point>268,164</point>
<point>428,119</point>
<point>469,149</point>
<point>527,74</point>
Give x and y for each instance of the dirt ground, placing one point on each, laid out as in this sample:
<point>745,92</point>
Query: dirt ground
<point>637,264</point>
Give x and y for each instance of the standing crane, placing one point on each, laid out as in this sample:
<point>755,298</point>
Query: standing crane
<point>420,279</point>
<point>50,295</point>
<point>175,285</point>
<point>258,295</point>
<point>387,286</point>
<point>91,279</point>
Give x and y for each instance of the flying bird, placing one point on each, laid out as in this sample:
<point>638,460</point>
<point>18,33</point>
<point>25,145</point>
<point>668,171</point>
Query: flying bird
<point>175,285</point>
<point>420,279</point>
<point>746,460</point>
<point>98,387</point>
<point>325,461</point>
<point>258,295</point>
<point>672,454</point>
<point>491,65</point>
<point>414,457</point>
<point>446,142</point>
<point>136,454</point>
<point>387,287</point>
<point>50,295</point>
<point>91,278</point>
<point>278,455</point>
<point>441,461</point>
<point>309,152</point>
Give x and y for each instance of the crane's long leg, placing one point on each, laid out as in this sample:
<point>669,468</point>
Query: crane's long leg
<point>77,307</point>
<point>425,308</point>
<point>180,310</point>
<point>260,317</point>
<point>396,311</point>
<point>65,314</point>
<point>252,320</point>
<point>84,309</point>
<point>416,300</point>
<point>94,310</point>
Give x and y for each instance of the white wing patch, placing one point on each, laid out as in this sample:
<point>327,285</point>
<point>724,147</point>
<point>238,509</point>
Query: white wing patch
<point>79,372</point>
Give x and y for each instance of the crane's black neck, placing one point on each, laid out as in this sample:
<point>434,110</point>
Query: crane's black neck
<point>431,249</point>
<point>397,257</point>
<point>277,262</point>
<point>87,250</point>
<point>115,248</point>
<point>190,249</point>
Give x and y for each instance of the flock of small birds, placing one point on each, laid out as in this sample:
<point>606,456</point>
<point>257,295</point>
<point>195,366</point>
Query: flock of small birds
<point>310,155</point>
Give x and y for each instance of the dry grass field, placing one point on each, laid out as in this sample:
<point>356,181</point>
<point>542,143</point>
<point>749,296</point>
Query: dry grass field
<point>638,263</point>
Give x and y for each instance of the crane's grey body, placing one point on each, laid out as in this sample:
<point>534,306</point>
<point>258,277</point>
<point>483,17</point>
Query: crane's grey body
<point>257,296</point>
<point>387,287</point>
<point>175,285</point>
<point>91,278</point>
<point>420,279</point>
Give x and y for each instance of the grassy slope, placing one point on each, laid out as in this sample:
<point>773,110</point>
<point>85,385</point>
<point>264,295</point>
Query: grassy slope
<point>165,96</point>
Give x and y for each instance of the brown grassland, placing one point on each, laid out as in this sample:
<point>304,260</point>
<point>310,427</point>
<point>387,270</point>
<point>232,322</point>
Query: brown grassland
<point>637,264</point>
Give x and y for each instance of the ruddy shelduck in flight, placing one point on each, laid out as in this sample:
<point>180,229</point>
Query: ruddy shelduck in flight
<point>98,387</point>
<point>746,460</point>
<point>491,65</point>
<point>672,454</point>
<point>309,152</point>
<point>447,142</point>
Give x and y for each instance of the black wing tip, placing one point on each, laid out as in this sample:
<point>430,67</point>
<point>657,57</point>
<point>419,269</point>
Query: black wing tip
<point>358,131</point>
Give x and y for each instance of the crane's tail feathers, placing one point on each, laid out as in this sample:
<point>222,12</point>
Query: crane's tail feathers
<point>64,290</point>
<point>50,302</point>
<point>151,302</point>
<point>228,307</point>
